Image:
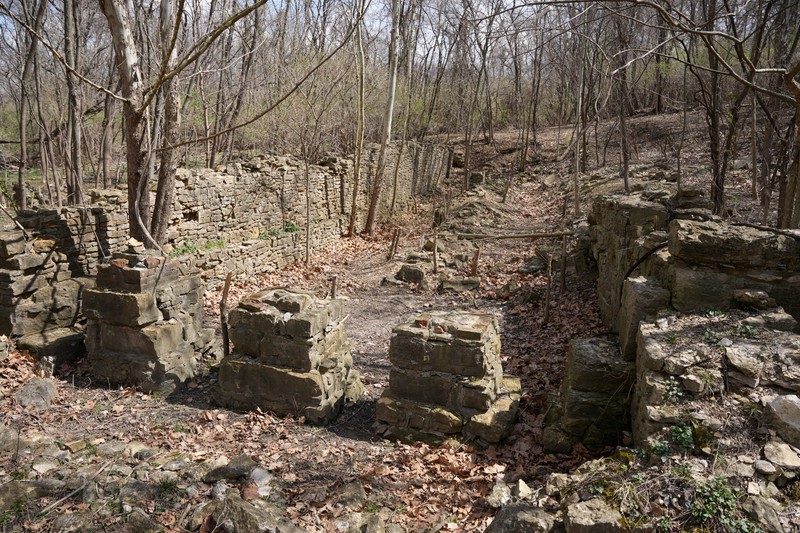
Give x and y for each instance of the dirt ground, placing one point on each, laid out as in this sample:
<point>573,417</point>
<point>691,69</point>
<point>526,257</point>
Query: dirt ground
<point>417,486</point>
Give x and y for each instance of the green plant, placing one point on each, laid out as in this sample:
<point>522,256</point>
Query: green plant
<point>17,475</point>
<point>664,523</point>
<point>210,245</point>
<point>749,332</point>
<point>290,227</point>
<point>672,338</point>
<point>711,337</point>
<point>714,499</point>
<point>183,249</point>
<point>91,449</point>
<point>714,312</point>
<point>168,486</point>
<point>180,428</point>
<point>659,448</point>
<point>673,392</point>
<point>372,508</point>
<point>682,437</point>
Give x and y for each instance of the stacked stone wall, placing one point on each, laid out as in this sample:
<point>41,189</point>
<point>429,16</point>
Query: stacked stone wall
<point>243,218</point>
<point>655,253</point>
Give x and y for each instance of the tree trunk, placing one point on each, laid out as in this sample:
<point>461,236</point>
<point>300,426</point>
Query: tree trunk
<point>75,179</point>
<point>386,135</point>
<point>359,148</point>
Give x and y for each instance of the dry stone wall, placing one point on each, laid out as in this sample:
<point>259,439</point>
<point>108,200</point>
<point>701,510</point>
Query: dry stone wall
<point>244,218</point>
<point>657,252</point>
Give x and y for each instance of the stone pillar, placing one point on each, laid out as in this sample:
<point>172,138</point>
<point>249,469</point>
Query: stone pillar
<point>594,403</point>
<point>145,324</point>
<point>447,381</point>
<point>290,356</point>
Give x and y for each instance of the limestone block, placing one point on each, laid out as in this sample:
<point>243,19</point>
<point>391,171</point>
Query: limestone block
<point>738,246</point>
<point>118,277</point>
<point>283,300</point>
<point>593,516</point>
<point>266,320</point>
<point>595,365</point>
<point>25,261</point>
<point>143,371</point>
<point>696,288</point>
<point>127,309</point>
<point>157,340</point>
<point>417,353</point>
<point>411,274</point>
<point>496,423</point>
<point>640,298</point>
<point>11,243</point>
<point>783,415</point>
<point>245,383</point>
<point>443,389</point>
<point>55,346</point>
<point>408,414</point>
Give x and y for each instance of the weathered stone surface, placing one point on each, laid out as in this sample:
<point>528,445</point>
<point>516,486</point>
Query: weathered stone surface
<point>595,365</point>
<point>640,298</point>
<point>235,515</point>
<point>411,274</point>
<point>739,246</point>
<point>466,345</point>
<point>405,413</point>
<point>447,379</point>
<point>592,516</point>
<point>696,288</point>
<point>126,309</point>
<point>521,518</point>
<point>38,393</point>
<point>750,298</point>
<point>54,346</point>
<point>781,454</point>
<point>296,363</point>
<point>783,415</point>
<point>459,284</point>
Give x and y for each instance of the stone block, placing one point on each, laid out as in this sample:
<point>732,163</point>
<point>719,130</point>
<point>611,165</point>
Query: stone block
<point>694,289</point>
<point>118,278</point>
<point>308,323</point>
<point>783,415</point>
<point>265,319</point>
<point>719,243</point>
<point>156,340</point>
<point>411,274</point>
<point>496,423</point>
<point>407,414</point>
<point>54,346</point>
<point>417,353</point>
<point>126,309</point>
<point>245,383</point>
<point>11,243</point>
<point>595,365</point>
<point>286,301</point>
<point>143,371</point>
<point>640,298</point>
<point>443,389</point>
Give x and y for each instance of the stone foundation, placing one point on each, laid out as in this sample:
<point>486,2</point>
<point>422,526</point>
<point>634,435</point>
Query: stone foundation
<point>145,324</point>
<point>447,381</point>
<point>290,356</point>
<point>594,402</point>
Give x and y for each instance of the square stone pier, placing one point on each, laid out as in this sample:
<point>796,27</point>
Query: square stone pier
<point>447,382</point>
<point>146,324</point>
<point>290,356</point>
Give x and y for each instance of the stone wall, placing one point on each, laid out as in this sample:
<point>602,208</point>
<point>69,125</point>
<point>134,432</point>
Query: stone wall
<point>245,218</point>
<point>655,253</point>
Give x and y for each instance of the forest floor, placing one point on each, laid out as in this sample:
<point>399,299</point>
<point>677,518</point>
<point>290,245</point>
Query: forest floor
<point>419,487</point>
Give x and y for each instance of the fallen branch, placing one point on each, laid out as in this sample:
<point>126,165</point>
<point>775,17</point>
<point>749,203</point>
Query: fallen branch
<point>223,316</point>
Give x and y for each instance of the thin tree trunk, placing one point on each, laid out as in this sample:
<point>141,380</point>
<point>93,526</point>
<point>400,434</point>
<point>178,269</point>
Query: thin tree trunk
<point>359,148</point>
<point>71,56</point>
<point>386,135</point>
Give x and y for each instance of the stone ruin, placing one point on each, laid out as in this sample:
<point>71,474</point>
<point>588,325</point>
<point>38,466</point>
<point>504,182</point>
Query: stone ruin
<point>447,381</point>
<point>290,356</point>
<point>655,255</point>
<point>145,324</point>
